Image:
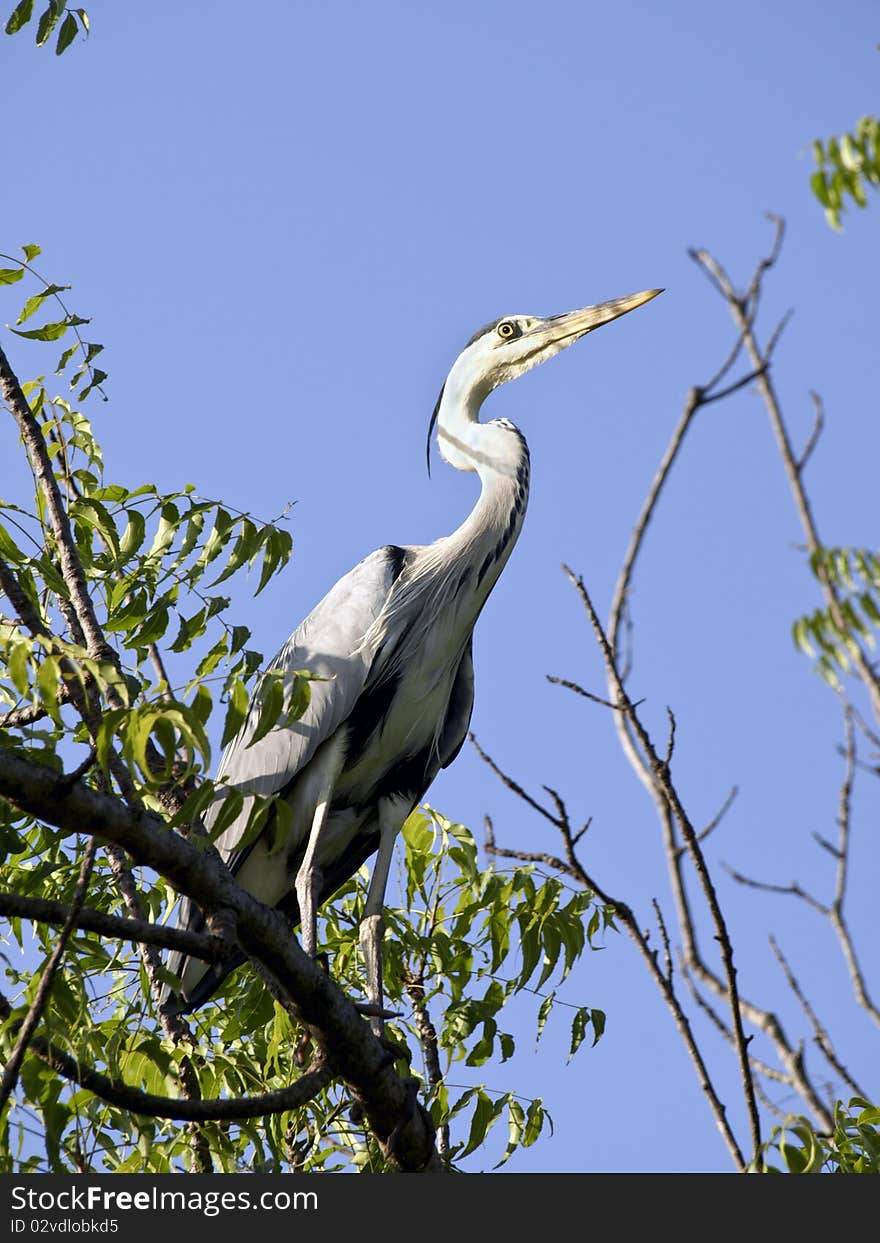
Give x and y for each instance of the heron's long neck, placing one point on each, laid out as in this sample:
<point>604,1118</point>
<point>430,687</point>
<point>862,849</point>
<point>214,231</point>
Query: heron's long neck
<point>498,453</point>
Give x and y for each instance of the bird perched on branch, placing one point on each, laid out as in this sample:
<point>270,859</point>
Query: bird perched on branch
<point>391,646</point>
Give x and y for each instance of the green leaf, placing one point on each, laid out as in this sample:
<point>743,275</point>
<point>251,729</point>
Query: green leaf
<point>820,188</point>
<point>515,1124</point>
<point>243,550</point>
<point>21,15</point>
<point>235,712</point>
<point>485,1116</point>
<point>19,658</point>
<point>578,1029</point>
<point>66,34</point>
<point>534,1122</point>
<point>8,276</point>
<point>230,809</point>
<point>543,1015</point>
<point>132,536</point>
<point>48,681</point>
<point>48,21</point>
<point>271,703</point>
<point>9,550</point>
<point>49,332</point>
<point>36,300</point>
<point>31,250</point>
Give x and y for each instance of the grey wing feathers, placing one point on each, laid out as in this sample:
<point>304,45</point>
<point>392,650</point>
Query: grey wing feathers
<point>461,705</point>
<point>329,644</point>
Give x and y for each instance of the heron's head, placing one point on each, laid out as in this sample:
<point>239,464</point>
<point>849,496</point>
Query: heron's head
<point>511,346</point>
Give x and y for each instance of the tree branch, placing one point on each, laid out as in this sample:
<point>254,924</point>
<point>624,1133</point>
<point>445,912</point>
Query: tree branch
<point>573,868</point>
<point>71,565</point>
<point>231,1109</point>
<point>744,320</point>
<point>662,783</point>
<point>401,1125</point>
<point>137,931</point>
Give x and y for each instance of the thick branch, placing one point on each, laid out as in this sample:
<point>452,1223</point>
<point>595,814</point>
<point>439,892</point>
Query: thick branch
<point>231,1109</point>
<point>395,1116</point>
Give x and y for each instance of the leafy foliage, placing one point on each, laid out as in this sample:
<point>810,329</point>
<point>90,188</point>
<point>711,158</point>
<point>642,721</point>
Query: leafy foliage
<point>846,167</point>
<point>74,21</point>
<point>460,946</point>
<point>855,572</point>
<point>852,1148</point>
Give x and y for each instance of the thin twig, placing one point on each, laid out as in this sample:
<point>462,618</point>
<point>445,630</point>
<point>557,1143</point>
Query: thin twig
<point>662,781</point>
<point>793,890</point>
<point>792,464</point>
<point>427,1033</point>
<point>573,868</point>
<point>71,565</point>
<point>513,785</point>
<point>46,911</point>
<point>821,1037</point>
<point>719,815</point>
<point>664,936</point>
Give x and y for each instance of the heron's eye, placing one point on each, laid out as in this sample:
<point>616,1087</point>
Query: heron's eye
<point>507,330</point>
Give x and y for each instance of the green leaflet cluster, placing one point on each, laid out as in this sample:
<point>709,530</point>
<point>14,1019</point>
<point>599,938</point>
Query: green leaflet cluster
<point>853,1147</point>
<point>846,167</point>
<point>74,21</point>
<point>855,572</point>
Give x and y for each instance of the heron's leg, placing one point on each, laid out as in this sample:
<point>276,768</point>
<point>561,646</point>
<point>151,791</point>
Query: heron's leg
<point>391,817</point>
<point>323,773</point>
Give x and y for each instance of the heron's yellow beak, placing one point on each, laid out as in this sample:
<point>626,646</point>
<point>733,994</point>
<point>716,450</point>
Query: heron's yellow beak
<point>574,324</point>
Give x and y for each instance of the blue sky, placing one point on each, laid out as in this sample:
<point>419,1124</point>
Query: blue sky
<point>288,219</point>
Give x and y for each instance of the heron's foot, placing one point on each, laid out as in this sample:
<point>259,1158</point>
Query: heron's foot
<point>370,937</point>
<point>307,887</point>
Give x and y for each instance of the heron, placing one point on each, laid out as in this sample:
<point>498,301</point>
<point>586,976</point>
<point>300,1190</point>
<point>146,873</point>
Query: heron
<point>391,650</point>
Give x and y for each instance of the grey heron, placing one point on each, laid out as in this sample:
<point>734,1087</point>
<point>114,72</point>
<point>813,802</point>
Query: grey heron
<point>391,645</point>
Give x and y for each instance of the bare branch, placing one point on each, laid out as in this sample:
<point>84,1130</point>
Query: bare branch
<point>427,1033</point>
<point>573,868</point>
<point>822,1039</point>
<point>663,784</point>
<point>511,784</point>
<point>664,936</point>
<point>794,890</point>
<point>579,690</point>
<point>762,1067</point>
<point>719,815</point>
<point>742,311</point>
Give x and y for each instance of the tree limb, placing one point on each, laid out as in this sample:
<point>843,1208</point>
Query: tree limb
<point>138,931</point>
<point>401,1125</point>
